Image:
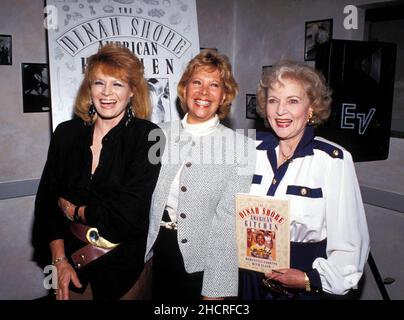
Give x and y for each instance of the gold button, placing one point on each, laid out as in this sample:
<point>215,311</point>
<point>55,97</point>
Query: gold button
<point>274,181</point>
<point>335,152</point>
<point>303,191</point>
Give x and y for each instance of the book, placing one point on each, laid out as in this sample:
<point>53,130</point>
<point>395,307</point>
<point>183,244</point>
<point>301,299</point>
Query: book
<point>263,232</point>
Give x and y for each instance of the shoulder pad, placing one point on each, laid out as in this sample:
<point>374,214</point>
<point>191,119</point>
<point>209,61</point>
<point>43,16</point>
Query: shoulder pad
<point>332,150</point>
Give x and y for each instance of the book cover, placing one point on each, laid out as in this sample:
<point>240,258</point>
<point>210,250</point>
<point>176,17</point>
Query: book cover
<point>263,232</point>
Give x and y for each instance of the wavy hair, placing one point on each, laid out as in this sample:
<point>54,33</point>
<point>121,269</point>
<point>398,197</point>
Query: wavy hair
<point>118,62</point>
<point>212,61</point>
<point>312,81</point>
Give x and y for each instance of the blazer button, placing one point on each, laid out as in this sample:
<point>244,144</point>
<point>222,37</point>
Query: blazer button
<point>188,164</point>
<point>183,215</point>
<point>274,181</point>
<point>183,188</point>
<point>184,241</point>
<point>335,153</point>
<point>303,191</point>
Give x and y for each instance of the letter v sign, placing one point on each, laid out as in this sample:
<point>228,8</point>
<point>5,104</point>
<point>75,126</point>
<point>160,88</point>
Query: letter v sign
<point>364,120</point>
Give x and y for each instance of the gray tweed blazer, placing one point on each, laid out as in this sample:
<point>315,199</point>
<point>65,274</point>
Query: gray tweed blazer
<point>217,166</point>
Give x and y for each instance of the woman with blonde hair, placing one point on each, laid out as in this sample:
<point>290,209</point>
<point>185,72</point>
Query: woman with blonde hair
<point>328,230</point>
<point>192,217</point>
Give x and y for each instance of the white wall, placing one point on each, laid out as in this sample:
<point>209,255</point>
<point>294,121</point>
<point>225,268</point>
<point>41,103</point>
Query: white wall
<point>24,140</point>
<point>24,137</point>
<point>385,229</point>
<point>20,278</point>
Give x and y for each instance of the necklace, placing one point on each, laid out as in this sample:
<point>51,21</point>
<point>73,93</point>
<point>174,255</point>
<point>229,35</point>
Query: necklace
<point>285,157</point>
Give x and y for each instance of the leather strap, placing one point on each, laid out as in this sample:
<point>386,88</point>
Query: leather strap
<point>89,252</point>
<point>79,230</point>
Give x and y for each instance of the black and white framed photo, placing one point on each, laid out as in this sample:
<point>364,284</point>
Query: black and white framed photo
<point>35,87</point>
<point>316,33</point>
<point>251,106</point>
<point>266,69</point>
<point>6,57</point>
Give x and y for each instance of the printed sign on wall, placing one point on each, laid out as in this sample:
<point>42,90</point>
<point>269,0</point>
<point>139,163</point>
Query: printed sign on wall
<point>162,33</point>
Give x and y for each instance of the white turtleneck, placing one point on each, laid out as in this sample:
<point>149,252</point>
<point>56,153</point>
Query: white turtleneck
<point>196,130</point>
<point>200,129</point>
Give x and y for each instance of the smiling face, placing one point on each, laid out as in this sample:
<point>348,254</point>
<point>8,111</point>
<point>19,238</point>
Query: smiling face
<point>203,94</point>
<point>110,96</point>
<point>260,239</point>
<point>288,109</point>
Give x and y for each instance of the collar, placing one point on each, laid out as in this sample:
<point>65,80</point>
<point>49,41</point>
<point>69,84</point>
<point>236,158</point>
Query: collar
<point>270,142</point>
<point>305,146</point>
<point>126,121</point>
<point>200,129</point>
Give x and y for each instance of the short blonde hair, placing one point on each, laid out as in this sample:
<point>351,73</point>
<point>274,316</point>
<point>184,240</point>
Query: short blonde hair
<point>212,61</point>
<point>312,81</point>
<point>118,62</point>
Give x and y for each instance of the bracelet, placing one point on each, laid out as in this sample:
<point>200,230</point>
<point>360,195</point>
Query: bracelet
<point>76,217</point>
<point>307,282</point>
<point>59,259</point>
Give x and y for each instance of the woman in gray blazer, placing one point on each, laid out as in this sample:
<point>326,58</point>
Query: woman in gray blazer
<point>192,219</point>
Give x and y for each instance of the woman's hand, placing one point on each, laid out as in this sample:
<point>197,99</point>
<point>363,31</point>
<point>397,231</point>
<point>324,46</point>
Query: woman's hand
<point>67,208</point>
<point>289,278</point>
<point>65,273</point>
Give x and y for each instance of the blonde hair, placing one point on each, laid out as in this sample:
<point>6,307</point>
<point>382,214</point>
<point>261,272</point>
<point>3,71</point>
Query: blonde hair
<point>120,63</point>
<point>312,81</point>
<point>211,60</point>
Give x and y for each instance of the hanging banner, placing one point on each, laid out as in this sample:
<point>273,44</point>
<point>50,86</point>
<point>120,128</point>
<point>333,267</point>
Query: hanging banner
<point>162,33</point>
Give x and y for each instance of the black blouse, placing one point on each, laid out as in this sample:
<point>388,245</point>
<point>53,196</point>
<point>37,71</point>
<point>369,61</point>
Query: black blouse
<point>117,199</point>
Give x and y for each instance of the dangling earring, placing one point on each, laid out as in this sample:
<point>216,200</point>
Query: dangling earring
<point>91,111</point>
<point>310,121</point>
<point>130,113</point>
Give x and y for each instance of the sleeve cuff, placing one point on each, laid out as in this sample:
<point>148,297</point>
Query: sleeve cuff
<point>90,214</point>
<point>315,281</point>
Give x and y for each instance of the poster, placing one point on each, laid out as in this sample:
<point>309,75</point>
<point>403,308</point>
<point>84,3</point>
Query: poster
<point>162,33</point>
